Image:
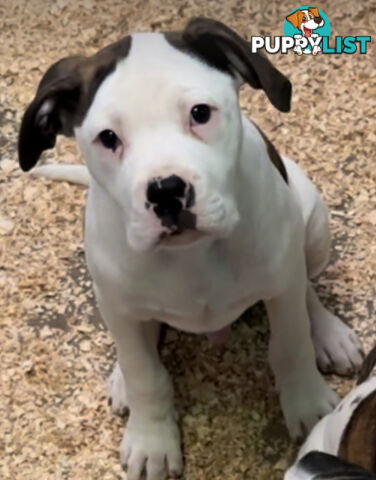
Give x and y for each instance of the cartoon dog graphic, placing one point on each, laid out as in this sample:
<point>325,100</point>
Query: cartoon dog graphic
<point>306,21</point>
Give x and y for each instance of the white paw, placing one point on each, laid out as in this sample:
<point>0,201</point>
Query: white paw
<point>304,401</point>
<point>337,347</point>
<point>116,391</point>
<point>151,450</point>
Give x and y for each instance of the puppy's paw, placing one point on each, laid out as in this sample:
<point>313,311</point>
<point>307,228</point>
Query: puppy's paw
<point>337,347</point>
<point>151,450</point>
<point>304,401</point>
<point>117,393</point>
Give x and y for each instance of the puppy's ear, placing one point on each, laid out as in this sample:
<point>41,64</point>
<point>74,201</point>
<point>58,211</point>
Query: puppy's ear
<point>314,11</point>
<point>52,111</point>
<point>225,49</point>
<point>295,18</point>
<point>62,100</point>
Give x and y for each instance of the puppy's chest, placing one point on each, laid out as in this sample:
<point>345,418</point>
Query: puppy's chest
<point>197,294</point>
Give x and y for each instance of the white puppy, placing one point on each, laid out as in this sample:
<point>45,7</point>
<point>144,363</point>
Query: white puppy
<point>192,217</point>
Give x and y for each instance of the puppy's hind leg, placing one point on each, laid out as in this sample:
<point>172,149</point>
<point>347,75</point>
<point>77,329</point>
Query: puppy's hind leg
<point>337,347</point>
<point>304,395</point>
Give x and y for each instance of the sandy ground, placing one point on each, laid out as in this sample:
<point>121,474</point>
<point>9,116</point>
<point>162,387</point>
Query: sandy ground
<point>55,353</point>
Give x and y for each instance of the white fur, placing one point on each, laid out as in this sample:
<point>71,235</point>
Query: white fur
<point>259,237</point>
<point>70,173</point>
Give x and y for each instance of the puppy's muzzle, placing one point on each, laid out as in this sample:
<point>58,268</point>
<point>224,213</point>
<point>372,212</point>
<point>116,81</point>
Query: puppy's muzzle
<point>171,199</point>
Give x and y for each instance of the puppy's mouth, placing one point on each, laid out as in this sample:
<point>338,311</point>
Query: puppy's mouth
<point>187,237</point>
<point>307,31</point>
<point>180,230</point>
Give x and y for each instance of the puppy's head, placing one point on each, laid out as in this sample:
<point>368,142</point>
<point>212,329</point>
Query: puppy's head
<point>306,20</point>
<point>157,119</point>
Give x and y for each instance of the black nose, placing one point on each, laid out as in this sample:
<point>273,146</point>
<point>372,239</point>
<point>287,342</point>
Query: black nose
<point>169,196</point>
<point>318,20</point>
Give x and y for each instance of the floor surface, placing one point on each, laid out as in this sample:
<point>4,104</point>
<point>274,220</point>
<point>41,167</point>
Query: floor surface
<point>55,354</point>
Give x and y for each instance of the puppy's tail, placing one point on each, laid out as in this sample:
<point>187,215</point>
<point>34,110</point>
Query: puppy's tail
<point>70,173</point>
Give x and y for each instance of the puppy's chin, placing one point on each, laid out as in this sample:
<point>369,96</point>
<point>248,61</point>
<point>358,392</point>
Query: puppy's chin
<point>149,241</point>
<point>181,239</point>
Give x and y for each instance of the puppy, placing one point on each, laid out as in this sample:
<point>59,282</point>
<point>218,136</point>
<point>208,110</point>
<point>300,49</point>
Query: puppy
<point>306,21</point>
<point>192,217</point>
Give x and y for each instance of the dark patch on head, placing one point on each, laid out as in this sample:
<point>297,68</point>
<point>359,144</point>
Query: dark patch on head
<point>274,155</point>
<point>222,48</point>
<point>358,442</point>
<point>63,98</point>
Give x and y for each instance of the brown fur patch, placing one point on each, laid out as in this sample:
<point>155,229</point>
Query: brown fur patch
<point>314,11</point>
<point>295,18</point>
<point>69,86</point>
<point>358,442</point>
<point>274,156</point>
<point>221,47</point>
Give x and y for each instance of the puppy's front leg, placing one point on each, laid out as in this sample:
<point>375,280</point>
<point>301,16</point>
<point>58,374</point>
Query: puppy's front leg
<point>304,395</point>
<point>151,442</point>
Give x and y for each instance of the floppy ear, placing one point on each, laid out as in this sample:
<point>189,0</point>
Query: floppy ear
<point>225,49</point>
<point>314,11</point>
<point>51,112</point>
<point>295,18</point>
<point>62,99</point>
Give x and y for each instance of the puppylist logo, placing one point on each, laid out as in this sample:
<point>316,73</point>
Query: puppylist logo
<point>307,31</point>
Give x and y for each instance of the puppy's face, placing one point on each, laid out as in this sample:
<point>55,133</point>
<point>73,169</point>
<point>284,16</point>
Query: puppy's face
<point>311,20</point>
<point>306,20</point>
<point>162,138</point>
<point>157,119</point>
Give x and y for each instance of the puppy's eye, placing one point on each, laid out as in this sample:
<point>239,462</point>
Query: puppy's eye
<point>200,114</point>
<point>304,19</point>
<point>109,139</point>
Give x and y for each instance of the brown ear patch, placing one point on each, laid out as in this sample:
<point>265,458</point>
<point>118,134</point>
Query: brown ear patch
<point>220,47</point>
<point>63,97</point>
<point>358,442</point>
<point>314,11</point>
<point>295,18</point>
<point>274,156</point>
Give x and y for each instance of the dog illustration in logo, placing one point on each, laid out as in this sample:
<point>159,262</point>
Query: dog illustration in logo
<point>306,21</point>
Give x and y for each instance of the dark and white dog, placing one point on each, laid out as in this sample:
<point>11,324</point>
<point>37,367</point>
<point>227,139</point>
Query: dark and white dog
<point>192,217</point>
